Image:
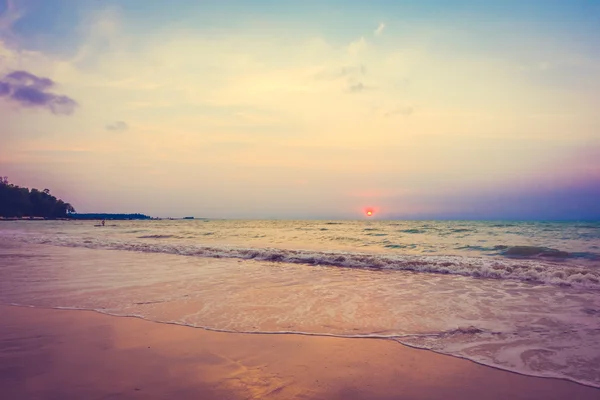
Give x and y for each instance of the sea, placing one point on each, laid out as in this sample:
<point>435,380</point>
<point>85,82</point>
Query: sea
<point>519,296</point>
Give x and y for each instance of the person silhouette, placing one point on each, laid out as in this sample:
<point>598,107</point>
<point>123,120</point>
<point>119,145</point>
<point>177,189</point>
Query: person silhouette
<point>103,222</point>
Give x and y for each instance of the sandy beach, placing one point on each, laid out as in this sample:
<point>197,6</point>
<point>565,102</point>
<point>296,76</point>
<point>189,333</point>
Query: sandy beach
<point>67,354</point>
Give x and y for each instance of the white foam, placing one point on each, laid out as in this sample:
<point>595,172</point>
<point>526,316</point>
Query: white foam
<point>535,271</point>
<point>548,329</point>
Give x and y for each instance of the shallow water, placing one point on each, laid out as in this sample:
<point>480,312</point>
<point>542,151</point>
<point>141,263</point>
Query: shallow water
<point>538,313</point>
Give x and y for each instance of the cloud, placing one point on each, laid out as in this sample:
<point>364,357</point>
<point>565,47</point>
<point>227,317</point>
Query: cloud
<point>572,201</point>
<point>117,126</point>
<point>4,89</point>
<point>356,87</point>
<point>345,71</point>
<point>30,91</point>
<point>379,29</point>
<point>28,79</point>
<point>11,14</point>
<point>357,46</point>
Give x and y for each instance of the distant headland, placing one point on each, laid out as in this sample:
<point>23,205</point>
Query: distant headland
<point>23,203</point>
<point>109,216</point>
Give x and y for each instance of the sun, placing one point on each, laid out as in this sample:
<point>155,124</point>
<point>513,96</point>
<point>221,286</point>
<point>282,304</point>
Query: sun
<point>369,213</point>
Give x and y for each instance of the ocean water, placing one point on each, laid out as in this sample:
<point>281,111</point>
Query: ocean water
<point>520,296</point>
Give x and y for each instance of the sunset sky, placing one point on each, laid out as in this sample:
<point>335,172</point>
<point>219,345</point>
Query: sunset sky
<point>305,109</point>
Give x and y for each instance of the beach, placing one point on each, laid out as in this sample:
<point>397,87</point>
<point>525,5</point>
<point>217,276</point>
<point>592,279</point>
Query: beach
<point>70,354</point>
<point>299,309</point>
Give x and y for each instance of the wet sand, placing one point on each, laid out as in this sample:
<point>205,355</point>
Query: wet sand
<point>62,354</point>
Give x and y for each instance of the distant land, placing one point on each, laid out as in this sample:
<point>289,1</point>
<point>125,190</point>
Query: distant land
<point>23,203</point>
<point>109,216</point>
<point>20,202</point>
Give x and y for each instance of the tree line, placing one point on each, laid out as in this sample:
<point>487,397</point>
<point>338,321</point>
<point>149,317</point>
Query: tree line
<point>16,201</point>
<point>110,216</point>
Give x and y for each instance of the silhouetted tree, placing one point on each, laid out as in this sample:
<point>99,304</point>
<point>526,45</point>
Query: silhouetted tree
<point>16,201</point>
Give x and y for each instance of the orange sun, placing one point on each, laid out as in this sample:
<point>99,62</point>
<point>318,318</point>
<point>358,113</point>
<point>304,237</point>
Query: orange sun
<point>369,213</point>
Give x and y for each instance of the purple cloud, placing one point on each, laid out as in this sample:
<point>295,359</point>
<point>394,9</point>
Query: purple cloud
<point>573,201</point>
<point>4,88</point>
<point>28,79</point>
<point>31,91</point>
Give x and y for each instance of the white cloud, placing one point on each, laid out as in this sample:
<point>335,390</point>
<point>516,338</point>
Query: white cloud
<point>117,126</point>
<point>357,46</point>
<point>379,29</point>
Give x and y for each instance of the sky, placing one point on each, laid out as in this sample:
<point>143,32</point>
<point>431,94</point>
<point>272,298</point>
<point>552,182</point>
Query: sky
<point>312,109</point>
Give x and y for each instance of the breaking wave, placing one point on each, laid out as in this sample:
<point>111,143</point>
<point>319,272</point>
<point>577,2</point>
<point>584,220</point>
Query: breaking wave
<point>535,251</point>
<point>531,252</point>
<point>158,237</point>
<point>527,270</point>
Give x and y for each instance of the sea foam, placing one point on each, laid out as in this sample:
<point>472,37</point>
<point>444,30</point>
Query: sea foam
<point>527,270</point>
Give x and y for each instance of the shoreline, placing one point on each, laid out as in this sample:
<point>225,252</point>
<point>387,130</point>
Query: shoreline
<point>393,338</point>
<point>62,353</point>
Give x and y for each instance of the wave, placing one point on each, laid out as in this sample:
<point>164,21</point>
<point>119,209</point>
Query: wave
<point>476,248</point>
<point>533,271</point>
<point>413,230</point>
<point>114,313</point>
<point>400,246</point>
<point>532,251</point>
<point>543,252</point>
<point>158,237</point>
<point>589,226</point>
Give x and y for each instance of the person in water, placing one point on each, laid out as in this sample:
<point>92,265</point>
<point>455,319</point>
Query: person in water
<point>103,222</point>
